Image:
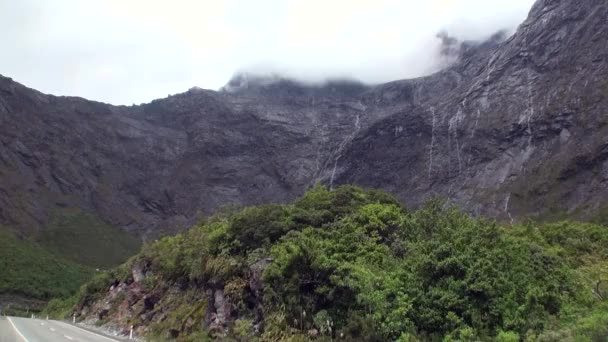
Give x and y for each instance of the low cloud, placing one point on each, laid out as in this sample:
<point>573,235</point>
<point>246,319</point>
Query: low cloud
<point>133,51</point>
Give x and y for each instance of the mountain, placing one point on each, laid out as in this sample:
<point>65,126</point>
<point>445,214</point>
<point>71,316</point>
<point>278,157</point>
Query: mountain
<point>155,166</point>
<point>514,128</point>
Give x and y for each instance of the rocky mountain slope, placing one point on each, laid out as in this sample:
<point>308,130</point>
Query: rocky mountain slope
<point>513,128</point>
<point>159,165</point>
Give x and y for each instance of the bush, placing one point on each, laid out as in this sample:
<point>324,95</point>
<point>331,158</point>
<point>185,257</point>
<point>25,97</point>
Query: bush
<point>255,227</point>
<point>594,327</point>
<point>507,336</point>
<point>355,263</point>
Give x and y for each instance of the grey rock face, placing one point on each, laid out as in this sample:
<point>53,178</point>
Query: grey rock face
<point>513,128</point>
<point>160,165</point>
<point>222,314</point>
<point>138,274</point>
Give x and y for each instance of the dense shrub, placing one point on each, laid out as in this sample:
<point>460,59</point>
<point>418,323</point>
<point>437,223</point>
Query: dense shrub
<point>355,264</point>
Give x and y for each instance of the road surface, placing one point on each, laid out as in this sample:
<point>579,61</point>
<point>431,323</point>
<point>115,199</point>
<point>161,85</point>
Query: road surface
<point>16,329</point>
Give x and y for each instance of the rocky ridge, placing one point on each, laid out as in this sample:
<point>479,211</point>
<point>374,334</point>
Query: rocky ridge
<point>514,128</point>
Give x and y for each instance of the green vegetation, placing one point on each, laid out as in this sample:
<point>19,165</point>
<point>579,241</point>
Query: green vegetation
<point>83,238</point>
<point>355,264</point>
<point>61,260</point>
<point>29,271</point>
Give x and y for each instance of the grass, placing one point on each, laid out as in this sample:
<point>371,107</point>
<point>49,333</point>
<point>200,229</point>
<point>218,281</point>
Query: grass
<point>61,258</point>
<point>30,271</point>
<point>85,239</point>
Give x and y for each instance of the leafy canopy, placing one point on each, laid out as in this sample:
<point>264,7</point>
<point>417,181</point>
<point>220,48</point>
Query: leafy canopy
<point>356,263</point>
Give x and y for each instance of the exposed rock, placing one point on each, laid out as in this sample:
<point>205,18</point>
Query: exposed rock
<point>513,130</point>
<point>256,271</point>
<point>222,313</point>
<point>501,132</point>
<point>104,312</point>
<point>138,273</point>
<point>149,302</point>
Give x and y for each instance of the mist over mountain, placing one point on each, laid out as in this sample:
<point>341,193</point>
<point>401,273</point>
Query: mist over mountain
<point>125,53</point>
<point>466,169</point>
<point>511,128</point>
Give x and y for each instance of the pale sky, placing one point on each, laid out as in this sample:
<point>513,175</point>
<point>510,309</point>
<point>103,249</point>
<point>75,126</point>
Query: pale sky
<point>133,51</point>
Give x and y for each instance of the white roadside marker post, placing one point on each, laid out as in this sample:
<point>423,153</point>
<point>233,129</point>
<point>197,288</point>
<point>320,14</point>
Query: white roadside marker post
<point>131,333</point>
<point>74,319</point>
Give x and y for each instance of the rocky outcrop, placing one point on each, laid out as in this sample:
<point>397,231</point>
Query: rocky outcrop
<point>119,302</point>
<point>163,164</point>
<point>511,130</point>
<point>514,128</point>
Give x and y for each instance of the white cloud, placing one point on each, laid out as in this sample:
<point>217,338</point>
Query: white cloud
<point>125,51</point>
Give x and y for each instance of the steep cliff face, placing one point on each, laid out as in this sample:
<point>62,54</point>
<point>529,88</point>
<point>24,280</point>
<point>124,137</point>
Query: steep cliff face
<point>162,164</point>
<point>514,128</point>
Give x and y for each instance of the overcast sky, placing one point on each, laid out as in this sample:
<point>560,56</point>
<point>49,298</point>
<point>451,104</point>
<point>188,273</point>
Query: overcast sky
<point>132,51</point>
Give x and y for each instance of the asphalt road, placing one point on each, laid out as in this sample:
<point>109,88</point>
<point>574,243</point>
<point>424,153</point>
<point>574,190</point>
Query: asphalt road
<point>16,329</point>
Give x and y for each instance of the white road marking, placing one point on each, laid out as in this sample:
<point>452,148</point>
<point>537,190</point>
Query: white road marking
<point>17,330</point>
<point>51,329</point>
<point>86,331</point>
<point>68,337</point>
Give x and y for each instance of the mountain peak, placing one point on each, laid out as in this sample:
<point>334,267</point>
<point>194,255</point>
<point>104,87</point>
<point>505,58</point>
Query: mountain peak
<point>494,133</point>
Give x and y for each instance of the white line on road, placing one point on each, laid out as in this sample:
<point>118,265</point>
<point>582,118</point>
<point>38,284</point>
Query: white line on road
<point>17,330</point>
<point>68,337</point>
<point>86,331</point>
<point>51,329</point>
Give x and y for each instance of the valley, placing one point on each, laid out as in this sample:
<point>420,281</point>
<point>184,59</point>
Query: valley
<point>470,204</point>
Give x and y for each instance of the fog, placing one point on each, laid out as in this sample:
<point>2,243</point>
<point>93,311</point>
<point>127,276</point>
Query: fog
<point>132,51</point>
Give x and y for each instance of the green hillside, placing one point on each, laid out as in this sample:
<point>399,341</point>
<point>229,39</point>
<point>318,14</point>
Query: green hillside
<point>30,271</point>
<point>84,239</point>
<point>60,259</point>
